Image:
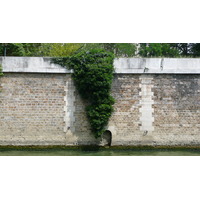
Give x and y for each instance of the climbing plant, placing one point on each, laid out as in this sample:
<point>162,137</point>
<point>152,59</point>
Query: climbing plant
<point>1,74</point>
<point>1,69</point>
<point>93,75</point>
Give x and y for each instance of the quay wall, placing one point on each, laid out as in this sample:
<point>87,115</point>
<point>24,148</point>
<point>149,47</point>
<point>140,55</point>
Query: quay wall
<point>157,103</point>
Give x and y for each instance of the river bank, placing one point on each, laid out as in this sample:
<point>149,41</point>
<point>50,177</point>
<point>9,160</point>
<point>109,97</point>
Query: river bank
<point>99,151</point>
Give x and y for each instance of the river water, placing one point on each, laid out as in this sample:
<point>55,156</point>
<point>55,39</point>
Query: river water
<point>106,152</point>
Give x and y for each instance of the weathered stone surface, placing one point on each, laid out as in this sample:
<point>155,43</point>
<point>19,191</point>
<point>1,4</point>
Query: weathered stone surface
<point>31,65</point>
<point>31,109</point>
<point>121,65</point>
<point>177,109</point>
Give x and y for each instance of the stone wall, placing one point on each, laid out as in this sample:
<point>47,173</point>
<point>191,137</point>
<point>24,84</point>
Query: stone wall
<point>44,108</point>
<point>31,109</point>
<point>156,110</point>
<point>177,109</point>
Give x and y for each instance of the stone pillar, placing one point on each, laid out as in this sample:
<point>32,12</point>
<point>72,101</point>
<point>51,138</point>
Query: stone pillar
<point>146,102</point>
<point>69,109</point>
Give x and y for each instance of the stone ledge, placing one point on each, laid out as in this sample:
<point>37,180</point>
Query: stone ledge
<point>31,65</point>
<point>157,65</point>
<point>121,65</point>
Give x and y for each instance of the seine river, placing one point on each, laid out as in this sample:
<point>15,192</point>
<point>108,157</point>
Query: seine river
<point>106,152</point>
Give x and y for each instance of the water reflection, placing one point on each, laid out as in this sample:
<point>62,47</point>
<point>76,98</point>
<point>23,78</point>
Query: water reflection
<point>101,153</point>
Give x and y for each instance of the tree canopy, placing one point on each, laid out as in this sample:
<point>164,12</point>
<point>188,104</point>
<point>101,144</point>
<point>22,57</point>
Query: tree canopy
<point>38,49</point>
<point>64,49</point>
<point>169,50</point>
<point>158,50</point>
<point>118,49</point>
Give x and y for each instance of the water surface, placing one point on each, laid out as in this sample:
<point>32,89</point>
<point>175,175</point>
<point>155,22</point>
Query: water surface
<point>106,152</point>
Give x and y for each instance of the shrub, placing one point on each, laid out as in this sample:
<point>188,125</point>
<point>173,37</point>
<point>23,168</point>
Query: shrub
<point>93,75</point>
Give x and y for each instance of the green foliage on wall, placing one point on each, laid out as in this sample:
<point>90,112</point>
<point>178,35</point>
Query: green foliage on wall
<point>1,73</point>
<point>1,69</point>
<point>93,75</point>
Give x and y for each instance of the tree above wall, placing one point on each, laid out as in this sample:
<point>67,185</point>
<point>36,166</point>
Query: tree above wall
<point>118,49</point>
<point>158,50</point>
<point>64,49</point>
<point>169,50</point>
<point>38,49</point>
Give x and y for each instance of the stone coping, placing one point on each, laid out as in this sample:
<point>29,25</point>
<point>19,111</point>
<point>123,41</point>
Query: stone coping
<point>121,65</point>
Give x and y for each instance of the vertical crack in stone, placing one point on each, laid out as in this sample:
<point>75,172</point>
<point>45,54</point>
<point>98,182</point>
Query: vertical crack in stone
<point>146,102</point>
<point>161,64</point>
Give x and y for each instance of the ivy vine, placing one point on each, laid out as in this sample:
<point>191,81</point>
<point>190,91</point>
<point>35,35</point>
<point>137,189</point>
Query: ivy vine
<point>93,75</point>
<point>1,73</point>
<point>1,69</point>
